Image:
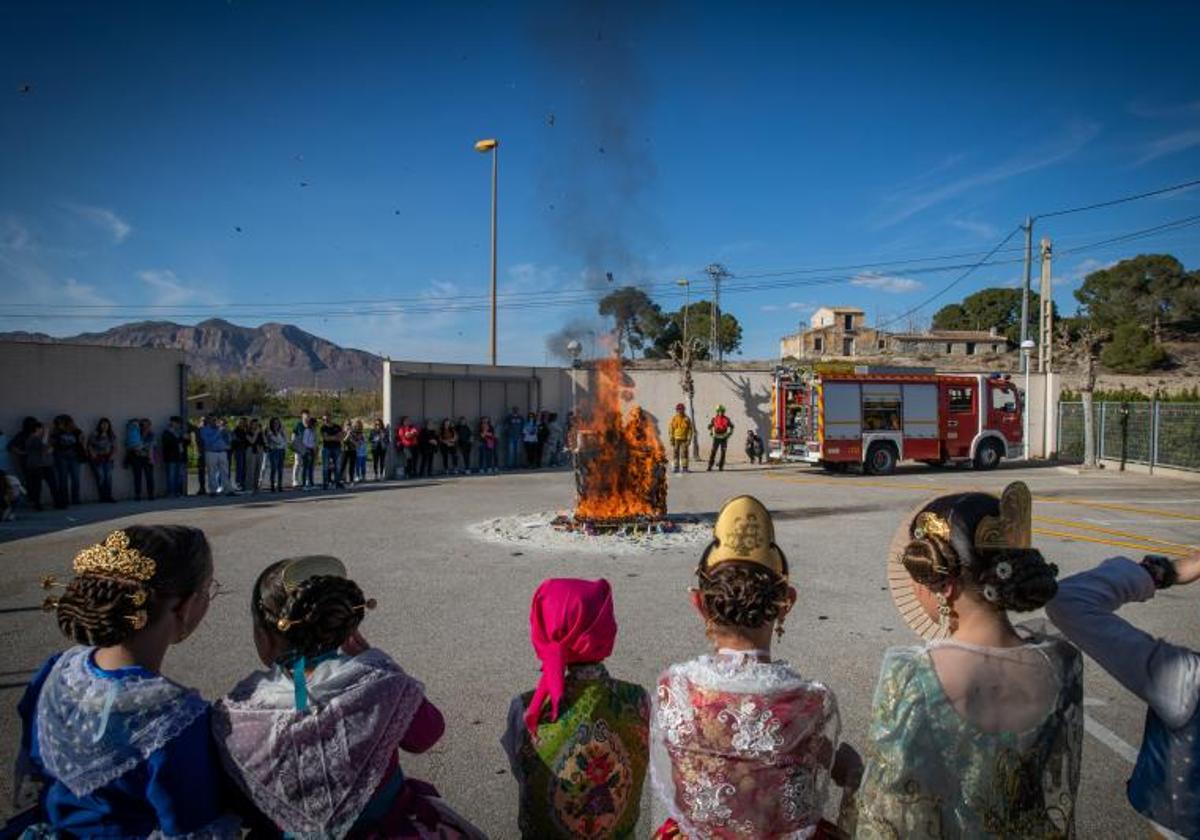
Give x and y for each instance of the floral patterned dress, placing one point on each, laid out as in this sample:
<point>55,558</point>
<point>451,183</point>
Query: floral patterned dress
<point>741,748</point>
<point>582,775</point>
<point>935,770</point>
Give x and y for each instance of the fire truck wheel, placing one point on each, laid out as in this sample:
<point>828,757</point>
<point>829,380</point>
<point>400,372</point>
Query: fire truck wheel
<point>881,459</point>
<point>987,456</point>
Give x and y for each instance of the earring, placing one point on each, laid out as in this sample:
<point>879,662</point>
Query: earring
<point>943,613</point>
<point>779,629</point>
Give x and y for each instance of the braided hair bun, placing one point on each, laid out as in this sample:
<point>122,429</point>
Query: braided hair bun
<point>1017,579</point>
<point>103,610</point>
<point>738,594</point>
<point>316,616</point>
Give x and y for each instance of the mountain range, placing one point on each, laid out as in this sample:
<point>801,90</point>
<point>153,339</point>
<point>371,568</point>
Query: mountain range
<point>283,354</point>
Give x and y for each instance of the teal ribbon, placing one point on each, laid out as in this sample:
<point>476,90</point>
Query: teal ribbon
<point>298,663</point>
<point>109,699</point>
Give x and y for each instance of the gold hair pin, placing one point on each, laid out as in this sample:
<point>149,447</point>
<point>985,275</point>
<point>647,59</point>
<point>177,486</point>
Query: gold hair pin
<point>286,624</point>
<point>929,524</point>
<point>114,558</point>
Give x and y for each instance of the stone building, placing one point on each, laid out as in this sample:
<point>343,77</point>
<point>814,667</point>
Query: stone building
<point>834,331</point>
<point>947,343</point>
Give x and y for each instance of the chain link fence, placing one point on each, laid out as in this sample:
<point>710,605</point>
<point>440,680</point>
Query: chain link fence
<point>1153,433</point>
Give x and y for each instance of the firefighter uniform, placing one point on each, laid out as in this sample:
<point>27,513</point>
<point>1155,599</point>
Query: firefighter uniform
<point>721,429</point>
<point>680,432</point>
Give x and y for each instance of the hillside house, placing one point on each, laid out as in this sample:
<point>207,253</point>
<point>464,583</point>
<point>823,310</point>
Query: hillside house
<point>834,331</point>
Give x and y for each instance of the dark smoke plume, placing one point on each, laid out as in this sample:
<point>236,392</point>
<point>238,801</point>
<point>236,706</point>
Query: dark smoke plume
<point>597,169</point>
<point>586,332</point>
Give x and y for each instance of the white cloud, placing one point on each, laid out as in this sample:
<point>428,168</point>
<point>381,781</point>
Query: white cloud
<point>984,230</point>
<point>770,307</point>
<point>926,191</point>
<point>885,283</point>
<point>105,219</point>
<point>1178,141</point>
<point>1086,267</point>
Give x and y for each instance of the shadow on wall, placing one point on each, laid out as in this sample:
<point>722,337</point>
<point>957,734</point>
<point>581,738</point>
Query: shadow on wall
<point>756,404</point>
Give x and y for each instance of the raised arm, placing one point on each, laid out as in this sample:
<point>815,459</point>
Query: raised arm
<point>1163,675</point>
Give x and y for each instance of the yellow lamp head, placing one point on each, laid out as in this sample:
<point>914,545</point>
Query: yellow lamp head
<point>486,145</point>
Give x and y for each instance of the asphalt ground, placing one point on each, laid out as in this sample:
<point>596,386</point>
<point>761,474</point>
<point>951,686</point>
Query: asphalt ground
<point>453,610</point>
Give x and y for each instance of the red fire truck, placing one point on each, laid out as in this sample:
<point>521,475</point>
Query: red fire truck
<point>878,417</point>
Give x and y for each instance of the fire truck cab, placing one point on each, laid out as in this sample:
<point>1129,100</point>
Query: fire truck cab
<point>879,417</point>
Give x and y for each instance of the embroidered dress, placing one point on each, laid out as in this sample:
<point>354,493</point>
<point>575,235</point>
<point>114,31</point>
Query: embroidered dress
<point>741,748</point>
<point>122,753</point>
<point>582,776</point>
<point>334,767</point>
<point>990,748</point>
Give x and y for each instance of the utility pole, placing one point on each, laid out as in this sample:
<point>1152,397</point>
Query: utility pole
<point>1028,226</point>
<point>1046,322</point>
<point>716,272</point>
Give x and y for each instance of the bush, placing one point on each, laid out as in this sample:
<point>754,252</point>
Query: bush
<point>1132,351</point>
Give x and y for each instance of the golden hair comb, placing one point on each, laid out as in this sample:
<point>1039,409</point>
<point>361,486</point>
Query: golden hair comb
<point>115,559</point>
<point>1013,528</point>
<point>929,524</point>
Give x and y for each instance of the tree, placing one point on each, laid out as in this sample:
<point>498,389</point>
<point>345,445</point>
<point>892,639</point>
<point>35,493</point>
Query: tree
<point>638,319</point>
<point>699,326</point>
<point>1151,289</point>
<point>1080,350</point>
<point>1132,350</point>
<point>988,308</point>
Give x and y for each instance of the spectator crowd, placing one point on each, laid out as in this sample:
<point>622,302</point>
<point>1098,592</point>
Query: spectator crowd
<point>251,455</point>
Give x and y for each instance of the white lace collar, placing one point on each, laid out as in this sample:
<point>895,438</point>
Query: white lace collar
<point>740,671</point>
<point>93,726</point>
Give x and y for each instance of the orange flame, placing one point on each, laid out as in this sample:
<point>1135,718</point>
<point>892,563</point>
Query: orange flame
<point>621,465</point>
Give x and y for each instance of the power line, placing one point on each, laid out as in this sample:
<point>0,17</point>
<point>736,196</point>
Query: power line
<point>1185,185</point>
<point>953,282</point>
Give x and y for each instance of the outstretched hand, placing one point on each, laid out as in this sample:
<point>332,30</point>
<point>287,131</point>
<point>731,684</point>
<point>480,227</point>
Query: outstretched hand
<point>1187,569</point>
<point>356,644</point>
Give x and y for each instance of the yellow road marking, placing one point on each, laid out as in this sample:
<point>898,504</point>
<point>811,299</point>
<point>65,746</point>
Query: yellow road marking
<point>1145,511</point>
<point>1150,549</point>
<point>1072,523</point>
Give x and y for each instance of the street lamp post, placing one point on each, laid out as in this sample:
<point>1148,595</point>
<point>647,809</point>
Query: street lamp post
<point>483,147</point>
<point>1027,347</point>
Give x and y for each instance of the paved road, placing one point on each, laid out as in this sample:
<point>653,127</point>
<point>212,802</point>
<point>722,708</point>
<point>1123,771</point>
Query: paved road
<point>453,610</point>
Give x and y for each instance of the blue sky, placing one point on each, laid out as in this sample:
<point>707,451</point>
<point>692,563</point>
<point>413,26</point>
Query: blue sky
<point>643,139</point>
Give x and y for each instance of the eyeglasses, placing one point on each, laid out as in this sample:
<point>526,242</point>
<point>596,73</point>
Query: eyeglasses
<point>215,589</point>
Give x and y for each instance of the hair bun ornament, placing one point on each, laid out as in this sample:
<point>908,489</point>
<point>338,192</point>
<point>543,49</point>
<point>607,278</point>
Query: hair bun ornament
<point>745,532</point>
<point>301,569</point>
<point>115,559</point>
<point>929,524</point>
<point>1013,528</point>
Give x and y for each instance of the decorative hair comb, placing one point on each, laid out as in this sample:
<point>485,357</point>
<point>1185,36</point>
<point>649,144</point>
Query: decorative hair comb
<point>1013,528</point>
<point>929,524</point>
<point>295,572</point>
<point>115,559</point>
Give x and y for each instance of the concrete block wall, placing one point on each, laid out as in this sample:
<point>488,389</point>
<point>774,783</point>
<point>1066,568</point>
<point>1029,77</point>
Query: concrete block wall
<point>89,382</point>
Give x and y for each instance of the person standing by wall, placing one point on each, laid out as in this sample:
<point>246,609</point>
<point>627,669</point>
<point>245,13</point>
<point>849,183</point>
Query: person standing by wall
<point>754,446</point>
<point>331,449</point>
<point>487,446</point>
<point>465,435</point>
<point>238,447</point>
<point>101,445</point>
<point>428,445</point>
<point>66,443</point>
<point>379,442</point>
<point>361,446</point>
<point>175,457</point>
<point>309,462</point>
<point>297,447</point>
<point>193,432</point>
<point>215,442</point>
<point>513,432</point>
<point>408,443</point>
<point>680,433</point>
<point>256,454</point>
<point>543,438</point>
<point>721,429</point>
<point>276,442</point>
<point>148,457</point>
<point>448,446</point>
<point>16,447</point>
<point>39,468</point>
<point>529,437</point>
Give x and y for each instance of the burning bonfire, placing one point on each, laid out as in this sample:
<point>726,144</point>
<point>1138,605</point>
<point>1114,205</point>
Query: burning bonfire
<point>620,462</point>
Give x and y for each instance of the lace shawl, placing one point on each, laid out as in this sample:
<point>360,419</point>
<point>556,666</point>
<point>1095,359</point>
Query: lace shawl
<point>92,729</point>
<point>742,748</point>
<point>314,772</point>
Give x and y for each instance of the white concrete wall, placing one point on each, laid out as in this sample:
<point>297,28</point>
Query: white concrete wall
<point>89,382</point>
<point>745,393</point>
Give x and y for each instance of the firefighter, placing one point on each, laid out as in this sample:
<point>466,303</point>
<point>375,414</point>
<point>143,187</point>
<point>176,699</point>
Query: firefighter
<point>681,437</point>
<point>721,429</point>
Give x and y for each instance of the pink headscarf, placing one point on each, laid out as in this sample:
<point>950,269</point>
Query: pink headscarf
<point>570,621</point>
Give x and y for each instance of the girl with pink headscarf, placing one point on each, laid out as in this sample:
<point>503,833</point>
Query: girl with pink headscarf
<point>578,742</point>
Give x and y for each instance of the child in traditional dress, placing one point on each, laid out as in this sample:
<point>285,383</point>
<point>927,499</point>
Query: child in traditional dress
<point>109,746</point>
<point>577,743</point>
<point>742,745</point>
<point>978,732</point>
<point>314,741</point>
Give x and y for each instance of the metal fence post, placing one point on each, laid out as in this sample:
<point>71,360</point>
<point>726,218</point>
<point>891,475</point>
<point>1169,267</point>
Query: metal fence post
<point>1058,430</point>
<point>1154,434</point>
<point>1103,428</point>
